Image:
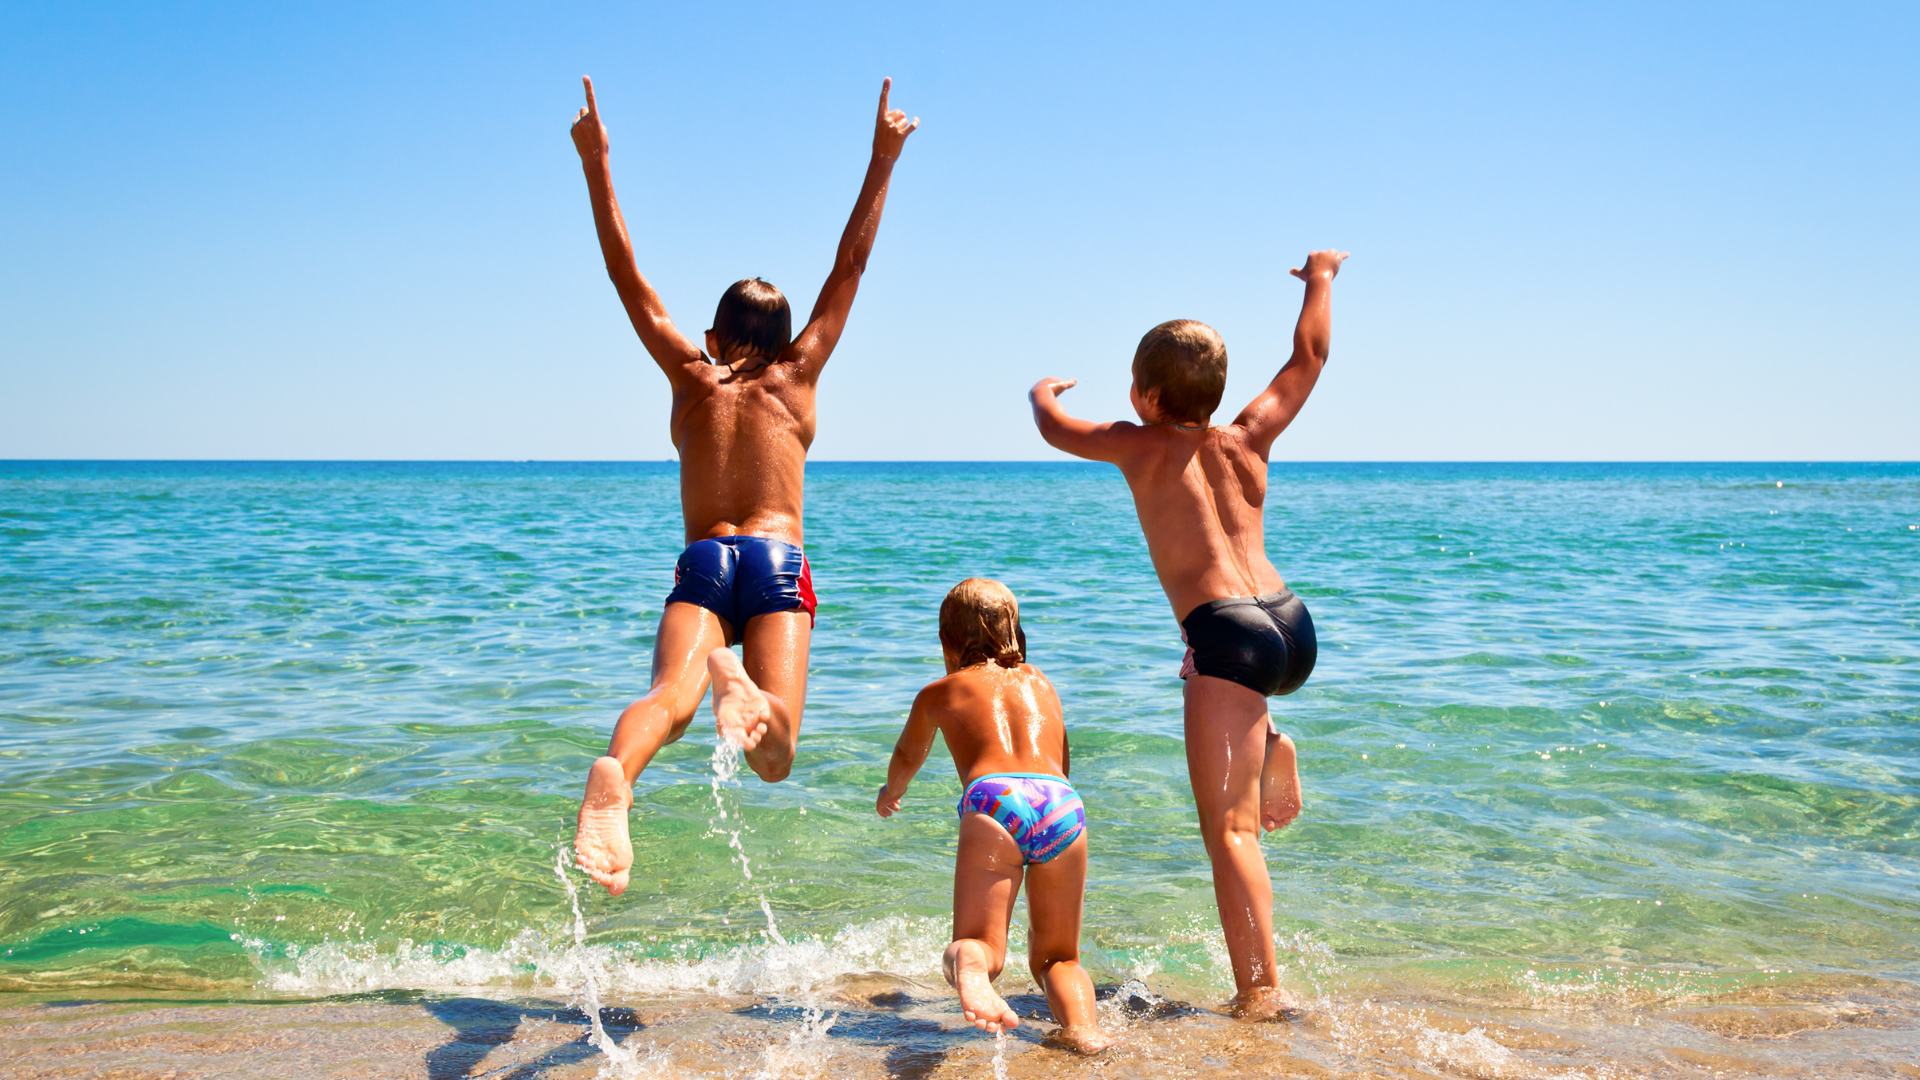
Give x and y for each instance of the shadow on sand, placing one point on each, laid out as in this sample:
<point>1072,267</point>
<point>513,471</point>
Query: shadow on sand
<point>480,1026</point>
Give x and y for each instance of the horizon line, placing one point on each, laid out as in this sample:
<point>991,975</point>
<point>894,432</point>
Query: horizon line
<point>932,461</point>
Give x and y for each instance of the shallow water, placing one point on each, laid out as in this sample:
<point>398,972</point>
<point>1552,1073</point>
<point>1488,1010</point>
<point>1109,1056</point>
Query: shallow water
<point>1610,741</point>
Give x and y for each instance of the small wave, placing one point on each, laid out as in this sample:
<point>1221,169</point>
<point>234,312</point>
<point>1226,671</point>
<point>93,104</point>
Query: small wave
<point>899,946</point>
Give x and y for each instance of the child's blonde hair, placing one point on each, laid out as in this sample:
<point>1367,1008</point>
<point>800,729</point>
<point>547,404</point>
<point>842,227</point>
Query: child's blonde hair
<point>980,621</point>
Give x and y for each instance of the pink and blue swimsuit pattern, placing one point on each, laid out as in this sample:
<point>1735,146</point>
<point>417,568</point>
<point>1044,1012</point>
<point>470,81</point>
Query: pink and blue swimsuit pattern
<point>1042,813</point>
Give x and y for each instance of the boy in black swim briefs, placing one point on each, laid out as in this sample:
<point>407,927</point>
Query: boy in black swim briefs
<point>1199,490</point>
<point>742,420</point>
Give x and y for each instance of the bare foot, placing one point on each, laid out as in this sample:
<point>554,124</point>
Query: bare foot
<point>1279,784</point>
<point>601,846</point>
<point>740,710</point>
<point>1265,1003</point>
<point>967,969</point>
<point>1083,1040</point>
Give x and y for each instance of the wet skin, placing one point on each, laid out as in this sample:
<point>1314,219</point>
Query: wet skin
<point>1200,491</point>
<point>742,424</point>
<point>1000,719</point>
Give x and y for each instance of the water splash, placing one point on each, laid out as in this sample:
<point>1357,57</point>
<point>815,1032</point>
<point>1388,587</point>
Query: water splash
<point>726,773</point>
<point>999,1055</point>
<point>618,1058</point>
<point>803,1052</point>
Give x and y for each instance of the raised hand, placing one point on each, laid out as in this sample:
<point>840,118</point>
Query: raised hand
<point>1052,385</point>
<point>1321,264</point>
<point>890,128</point>
<point>589,137</point>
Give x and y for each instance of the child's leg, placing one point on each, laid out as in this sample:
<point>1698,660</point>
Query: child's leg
<point>1055,889</point>
<point>1226,751</point>
<point>1280,799</point>
<point>769,689</point>
<point>688,633</point>
<point>986,877</point>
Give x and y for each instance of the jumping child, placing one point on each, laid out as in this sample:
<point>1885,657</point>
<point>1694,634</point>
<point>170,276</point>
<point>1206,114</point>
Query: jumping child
<point>742,420</point>
<point>1019,815</point>
<point>1200,491</point>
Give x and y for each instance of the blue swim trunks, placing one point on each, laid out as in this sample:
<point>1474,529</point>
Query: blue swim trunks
<point>1042,813</point>
<point>740,577</point>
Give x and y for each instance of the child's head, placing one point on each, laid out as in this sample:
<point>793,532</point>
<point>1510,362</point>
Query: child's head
<point>753,319</point>
<point>1179,373</point>
<point>980,621</point>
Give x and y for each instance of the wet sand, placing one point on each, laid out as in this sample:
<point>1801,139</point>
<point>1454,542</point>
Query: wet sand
<point>1841,1027</point>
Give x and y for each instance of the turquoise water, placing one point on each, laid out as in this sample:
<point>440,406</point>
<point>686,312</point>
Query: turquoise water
<point>314,728</point>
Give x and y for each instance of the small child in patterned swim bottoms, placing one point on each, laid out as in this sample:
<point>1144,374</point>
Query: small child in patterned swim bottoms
<point>1019,815</point>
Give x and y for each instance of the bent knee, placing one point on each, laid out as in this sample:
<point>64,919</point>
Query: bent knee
<point>1041,963</point>
<point>1226,837</point>
<point>664,707</point>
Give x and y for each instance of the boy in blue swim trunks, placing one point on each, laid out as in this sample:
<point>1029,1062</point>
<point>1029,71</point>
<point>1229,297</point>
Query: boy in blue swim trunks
<point>1019,815</point>
<point>742,420</point>
<point>1200,491</point>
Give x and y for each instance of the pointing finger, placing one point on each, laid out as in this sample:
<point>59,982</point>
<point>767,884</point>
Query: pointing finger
<point>886,85</point>
<point>588,81</point>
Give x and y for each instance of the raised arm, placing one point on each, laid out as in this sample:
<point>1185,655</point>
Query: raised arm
<point>677,356</point>
<point>822,332</point>
<point>909,753</point>
<point>1269,414</point>
<point>1081,438</point>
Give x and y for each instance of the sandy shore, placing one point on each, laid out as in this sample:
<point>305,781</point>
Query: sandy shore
<point>882,1028</point>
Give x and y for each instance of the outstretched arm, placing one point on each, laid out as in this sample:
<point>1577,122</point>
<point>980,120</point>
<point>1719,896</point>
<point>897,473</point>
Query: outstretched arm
<point>1081,438</point>
<point>916,741</point>
<point>668,346</point>
<point>822,332</point>
<point>1269,414</point>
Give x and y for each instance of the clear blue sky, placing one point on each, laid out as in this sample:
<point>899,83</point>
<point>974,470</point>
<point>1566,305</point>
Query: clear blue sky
<point>1587,232</point>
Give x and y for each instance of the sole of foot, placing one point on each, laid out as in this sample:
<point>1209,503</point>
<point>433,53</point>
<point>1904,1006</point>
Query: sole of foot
<point>1279,784</point>
<point>970,973</point>
<point>601,845</point>
<point>740,710</point>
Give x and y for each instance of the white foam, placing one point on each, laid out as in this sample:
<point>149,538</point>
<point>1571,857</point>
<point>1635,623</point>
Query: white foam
<point>900,946</point>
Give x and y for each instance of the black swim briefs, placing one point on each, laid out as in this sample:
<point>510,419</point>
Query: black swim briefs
<point>1264,643</point>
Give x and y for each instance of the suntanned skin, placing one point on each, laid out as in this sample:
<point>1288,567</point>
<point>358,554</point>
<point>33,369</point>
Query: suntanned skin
<point>742,427</point>
<point>999,719</point>
<point>1200,492</point>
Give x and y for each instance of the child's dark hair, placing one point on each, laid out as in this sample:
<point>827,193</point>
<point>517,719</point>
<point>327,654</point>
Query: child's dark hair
<point>1185,363</point>
<point>980,621</point>
<point>753,319</point>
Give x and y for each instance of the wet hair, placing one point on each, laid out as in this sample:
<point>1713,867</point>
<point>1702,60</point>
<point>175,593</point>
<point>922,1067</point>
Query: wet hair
<point>980,621</point>
<point>753,319</point>
<point>1185,363</point>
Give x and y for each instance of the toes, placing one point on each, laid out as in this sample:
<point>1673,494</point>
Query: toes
<point>617,884</point>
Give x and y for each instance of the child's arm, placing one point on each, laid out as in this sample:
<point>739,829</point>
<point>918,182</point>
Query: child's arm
<point>1270,413</point>
<point>822,332</point>
<point>916,741</point>
<point>669,347</point>
<point>1081,438</point>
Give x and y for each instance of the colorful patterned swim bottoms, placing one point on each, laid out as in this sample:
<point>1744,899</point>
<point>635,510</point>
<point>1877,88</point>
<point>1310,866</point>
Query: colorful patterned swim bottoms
<point>1042,813</point>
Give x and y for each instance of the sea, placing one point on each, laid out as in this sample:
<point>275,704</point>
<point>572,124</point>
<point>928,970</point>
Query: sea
<point>1610,770</point>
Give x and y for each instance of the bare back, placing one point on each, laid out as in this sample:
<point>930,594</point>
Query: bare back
<point>998,720</point>
<point>743,440</point>
<point>1201,498</point>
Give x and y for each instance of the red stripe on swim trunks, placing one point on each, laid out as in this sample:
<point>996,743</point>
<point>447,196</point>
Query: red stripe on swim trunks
<point>808,602</point>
